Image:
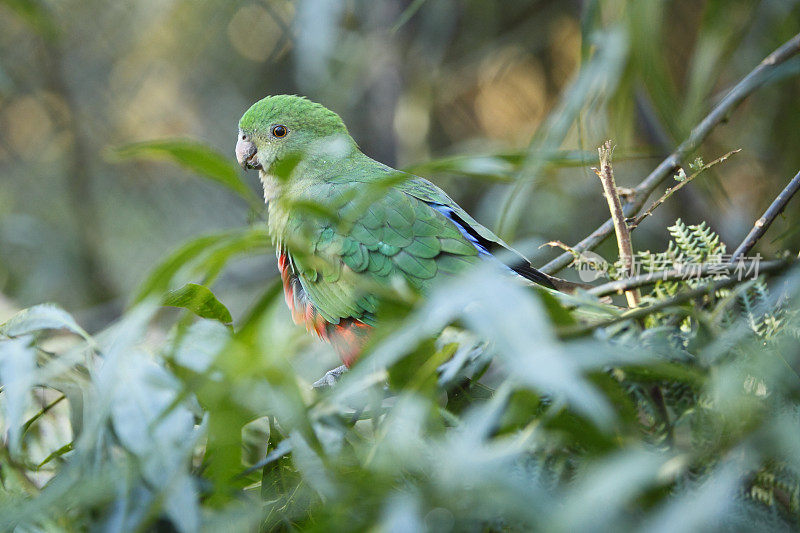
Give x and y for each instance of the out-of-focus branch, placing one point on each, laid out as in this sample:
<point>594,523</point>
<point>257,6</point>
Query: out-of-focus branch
<point>79,180</point>
<point>606,175</point>
<point>763,223</point>
<point>740,91</point>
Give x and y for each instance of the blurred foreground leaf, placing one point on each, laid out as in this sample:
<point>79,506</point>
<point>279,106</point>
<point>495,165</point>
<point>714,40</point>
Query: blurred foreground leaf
<point>199,300</point>
<point>41,317</point>
<point>204,256</point>
<point>17,367</point>
<point>193,156</point>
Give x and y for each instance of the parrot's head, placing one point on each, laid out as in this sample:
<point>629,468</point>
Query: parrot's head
<point>282,126</point>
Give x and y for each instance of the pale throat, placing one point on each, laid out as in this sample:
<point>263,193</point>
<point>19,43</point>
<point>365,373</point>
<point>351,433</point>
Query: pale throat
<point>271,186</point>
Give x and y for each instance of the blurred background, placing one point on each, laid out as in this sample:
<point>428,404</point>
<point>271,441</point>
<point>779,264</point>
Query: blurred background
<point>458,91</point>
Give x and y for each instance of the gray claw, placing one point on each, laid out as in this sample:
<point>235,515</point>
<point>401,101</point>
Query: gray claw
<point>330,378</point>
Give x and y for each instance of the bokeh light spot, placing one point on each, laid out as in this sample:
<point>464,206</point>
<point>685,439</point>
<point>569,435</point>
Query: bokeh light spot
<point>253,32</point>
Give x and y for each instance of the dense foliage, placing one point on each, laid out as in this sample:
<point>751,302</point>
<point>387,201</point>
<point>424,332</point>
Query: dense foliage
<point>486,405</point>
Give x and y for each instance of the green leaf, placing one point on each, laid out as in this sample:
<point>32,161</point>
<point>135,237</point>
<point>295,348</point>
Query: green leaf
<point>68,447</point>
<point>207,254</point>
<point>193,156</point>
<point>666,371</point>
<point>558,314</point>
<point>158,280</point>
<point>200,301</point>
<point>501,166</point>
<point>414,370</point>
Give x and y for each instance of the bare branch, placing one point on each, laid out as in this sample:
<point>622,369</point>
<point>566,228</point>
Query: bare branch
<point>606,175</point>
<point>762,224</point>
<point>742,90</point>
<point>641,312</point>
<point>724,269</point>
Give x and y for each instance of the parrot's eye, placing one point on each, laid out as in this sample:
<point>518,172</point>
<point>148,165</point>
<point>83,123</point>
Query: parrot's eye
<point>279,131</point>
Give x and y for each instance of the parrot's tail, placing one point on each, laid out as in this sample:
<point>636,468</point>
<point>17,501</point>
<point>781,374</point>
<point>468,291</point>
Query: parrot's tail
<point>528,272</point>
<point>567,286</point>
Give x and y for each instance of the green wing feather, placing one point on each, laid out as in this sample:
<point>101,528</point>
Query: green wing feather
<point>394,235</point>
<point>426,191</point>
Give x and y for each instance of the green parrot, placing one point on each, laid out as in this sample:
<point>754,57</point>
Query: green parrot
<point>348,228</point>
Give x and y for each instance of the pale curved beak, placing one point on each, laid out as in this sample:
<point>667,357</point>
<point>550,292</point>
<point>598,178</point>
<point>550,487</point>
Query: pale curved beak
<point>246,154</point>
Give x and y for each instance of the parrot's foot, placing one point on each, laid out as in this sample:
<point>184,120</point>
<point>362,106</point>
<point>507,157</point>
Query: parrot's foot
<point>330,378</point>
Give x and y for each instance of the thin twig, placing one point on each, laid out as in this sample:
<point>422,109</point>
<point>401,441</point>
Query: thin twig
<point>742,90</point>
<point>579,257</point>
<point>669,192</point>
<point>762,224</point>
<point>676,274</point>
<point>606,175</point>
<point>560,244</point>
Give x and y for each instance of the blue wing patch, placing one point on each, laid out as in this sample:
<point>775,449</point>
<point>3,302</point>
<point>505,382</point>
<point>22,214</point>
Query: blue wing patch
<point>523,267</point>
<point>448,212</point>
